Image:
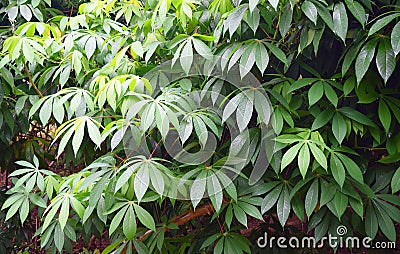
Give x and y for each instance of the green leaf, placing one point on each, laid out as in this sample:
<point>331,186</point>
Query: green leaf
<point>311,198</point>
<point>202,48</point>
<point>45,111</point>
<point>340,21</point>
<point>310,11</point>
<point>381,23</point>
<point>78,137</point>
<point>353,169</point>
<point>301,83</point>
<point>64,213</point>
<point>277,52</point>
<point>337,169</point>
<point>349,85</point>
<point>395,38</point>
<point>349,58</point>
<point>240,215</point>
<point>357,206</point>
<point>247,60</point>
<point>141,182</point>
<point>331,94</point>
<point>270,199</point>
<point>384,115</point>
<point>286,20</point>
<point>385,223</point>
<point>385,59</point>
<point>356,116</point>
<point>395,183</point>
<point>186,57</point>
<point>262,57</point>
<point>357,10</point>
<point>58,238</point>
<point>137,48</point>
<point>318,155</point>
<point>24,210</point>
<point>341,201</point>
<point>197,190</point>
<point>129,223</point>
<point>289,156</point>
<point>116,221</point>
<point>283,206</point>
<point>364,59</point>
<point>315,93</point>
<point>304,159</point>
<point>145,217</point>
<point>25,12</point>
<point>274,3</point>
<point>322,119</point>
<point>90,46</point>
<point>339,127</point>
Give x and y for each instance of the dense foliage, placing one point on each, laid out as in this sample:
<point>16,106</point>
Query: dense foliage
<point>75,82</point>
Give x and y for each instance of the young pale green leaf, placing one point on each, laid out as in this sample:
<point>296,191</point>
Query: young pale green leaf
<point>90,46</point>
<point>381,23</point>
<point>186,57</point>
<point>289,156</point>
<point>64,213</point>
<point>304,159</point>
<point>310,11</point>
<point>202,48</point>
<point>318,155</point>
<point>58,237</point>
<point>357,10</point>
<point>340,21</point>
<point>24,210</point>
<point>311,198</point>
<point>395,38</point>
<point>339,127</point>
<point>45,111</point>
<point>142,180</point>
<point>385,59</point>
<point>78,137</point>
<point>129,223</point>
<point>116,221</point>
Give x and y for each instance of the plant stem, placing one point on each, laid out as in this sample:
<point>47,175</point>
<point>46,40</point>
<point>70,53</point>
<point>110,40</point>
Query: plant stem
<point>31,81</point>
